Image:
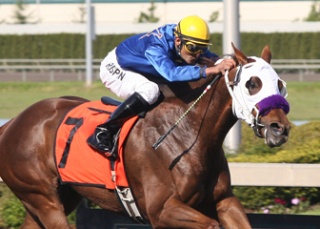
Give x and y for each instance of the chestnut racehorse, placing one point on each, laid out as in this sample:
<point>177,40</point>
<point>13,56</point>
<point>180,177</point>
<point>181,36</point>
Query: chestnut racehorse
<point>181,181</point>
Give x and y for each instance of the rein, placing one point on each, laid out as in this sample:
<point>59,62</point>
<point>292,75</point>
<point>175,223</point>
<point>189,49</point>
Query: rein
<point>161,139</point>
<point>251,120</point>
<point>242,105</point>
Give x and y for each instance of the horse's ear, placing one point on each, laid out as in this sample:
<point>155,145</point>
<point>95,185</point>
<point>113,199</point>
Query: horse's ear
<point>242,59</point>
<point>266,54</point>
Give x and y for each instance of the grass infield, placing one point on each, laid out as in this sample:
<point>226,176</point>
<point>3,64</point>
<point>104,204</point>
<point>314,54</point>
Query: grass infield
<point>15,97</point>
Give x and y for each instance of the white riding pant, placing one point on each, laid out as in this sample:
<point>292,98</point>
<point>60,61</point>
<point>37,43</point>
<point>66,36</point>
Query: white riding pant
<point>124,82</point>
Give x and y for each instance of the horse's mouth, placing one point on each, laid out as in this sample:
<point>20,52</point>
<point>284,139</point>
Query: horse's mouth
<point>275,142</point>
<point>275,134</point>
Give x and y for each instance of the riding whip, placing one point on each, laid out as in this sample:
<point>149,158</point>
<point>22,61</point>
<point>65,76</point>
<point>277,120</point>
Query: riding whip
<point>160,140</point>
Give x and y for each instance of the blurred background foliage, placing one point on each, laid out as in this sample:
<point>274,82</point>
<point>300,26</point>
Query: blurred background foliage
<point>63,46</point>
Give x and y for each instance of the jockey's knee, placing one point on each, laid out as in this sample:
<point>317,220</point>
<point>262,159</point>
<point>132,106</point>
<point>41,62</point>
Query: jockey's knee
<point>149,91</point>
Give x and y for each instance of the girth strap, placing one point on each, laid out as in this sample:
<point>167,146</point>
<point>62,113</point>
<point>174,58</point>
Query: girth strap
<point>128,203</point>
<point>77,122</point>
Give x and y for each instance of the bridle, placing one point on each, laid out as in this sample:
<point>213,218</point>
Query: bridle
<point>253,121</point>
<point>249,118</point>
<point>241,106</point>
<point>244,104</point>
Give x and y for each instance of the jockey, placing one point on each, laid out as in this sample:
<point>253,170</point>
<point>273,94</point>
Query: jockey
<point>173,52</point>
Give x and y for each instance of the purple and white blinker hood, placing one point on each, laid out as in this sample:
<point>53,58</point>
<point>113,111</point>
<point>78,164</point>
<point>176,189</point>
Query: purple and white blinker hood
<point>268,98</point>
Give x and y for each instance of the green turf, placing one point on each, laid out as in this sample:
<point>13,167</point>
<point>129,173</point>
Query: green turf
<point>16,96</point>
<point>304,99</point>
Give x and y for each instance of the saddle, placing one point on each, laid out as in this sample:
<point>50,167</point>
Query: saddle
<point>76,161</point>
<point>79,164</point>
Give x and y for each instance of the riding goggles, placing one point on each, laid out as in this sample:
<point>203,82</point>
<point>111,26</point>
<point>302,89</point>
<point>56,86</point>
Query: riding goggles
<point>193,48</point>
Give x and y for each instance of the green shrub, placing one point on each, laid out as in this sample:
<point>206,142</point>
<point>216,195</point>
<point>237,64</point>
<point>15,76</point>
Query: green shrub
<point>303,147</point>
<point>13,213</point>
<point>259,198</point>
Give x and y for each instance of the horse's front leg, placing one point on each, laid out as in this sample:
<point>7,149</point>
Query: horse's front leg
<point>231,214</point>
<point>176,214</point>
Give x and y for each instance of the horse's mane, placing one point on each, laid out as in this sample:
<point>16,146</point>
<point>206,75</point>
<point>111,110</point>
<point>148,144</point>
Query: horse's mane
<point>185,91</point>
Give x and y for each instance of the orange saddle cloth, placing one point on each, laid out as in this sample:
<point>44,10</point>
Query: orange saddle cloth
<point>76,161</point>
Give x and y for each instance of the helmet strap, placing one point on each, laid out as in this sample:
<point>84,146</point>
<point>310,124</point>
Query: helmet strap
<point>179,47</point>
<point>178,52</point>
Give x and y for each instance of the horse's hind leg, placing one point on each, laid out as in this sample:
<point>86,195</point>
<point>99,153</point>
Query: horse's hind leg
<point>176,214</point>
<point>46,211</point>
<point>30,222</point>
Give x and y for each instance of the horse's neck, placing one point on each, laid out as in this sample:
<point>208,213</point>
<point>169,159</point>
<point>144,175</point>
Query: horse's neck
<point>184,91</point>
<point>190,91</point>
<point>213,108</point>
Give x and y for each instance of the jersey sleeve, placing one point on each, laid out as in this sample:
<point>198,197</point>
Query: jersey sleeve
<point>168,69</point>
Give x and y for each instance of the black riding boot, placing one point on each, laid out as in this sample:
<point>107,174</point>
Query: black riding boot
<point>102,139</point>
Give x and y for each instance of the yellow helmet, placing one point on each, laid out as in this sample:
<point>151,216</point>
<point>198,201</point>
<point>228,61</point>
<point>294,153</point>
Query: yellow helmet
<point>195,29</point>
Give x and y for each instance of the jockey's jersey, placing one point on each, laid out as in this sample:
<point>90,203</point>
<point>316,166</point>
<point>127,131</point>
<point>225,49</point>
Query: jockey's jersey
<point>154,54</point>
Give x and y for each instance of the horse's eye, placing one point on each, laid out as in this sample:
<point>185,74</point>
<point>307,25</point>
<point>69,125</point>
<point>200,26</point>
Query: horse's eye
<point>253,85</point>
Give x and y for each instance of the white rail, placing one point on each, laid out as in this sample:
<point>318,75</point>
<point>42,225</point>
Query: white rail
<point>305,64</point>
<point>274,174</point>
<point>45,64</point>
<point>79,64</point>
<point>74,69</point>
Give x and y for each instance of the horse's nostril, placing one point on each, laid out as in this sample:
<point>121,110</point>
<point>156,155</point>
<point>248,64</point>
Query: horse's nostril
<point>277,128</point>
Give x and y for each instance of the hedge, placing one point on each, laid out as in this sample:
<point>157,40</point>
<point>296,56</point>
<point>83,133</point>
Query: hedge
<point>303,147</point>
<point>60,46</point>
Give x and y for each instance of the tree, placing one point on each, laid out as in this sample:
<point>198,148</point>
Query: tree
<point>144,17</point>
<point>82,13</point>
<point>214,16</point>
<point>20,15</point>
<point>314,14</point>
<point>1,20</point>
